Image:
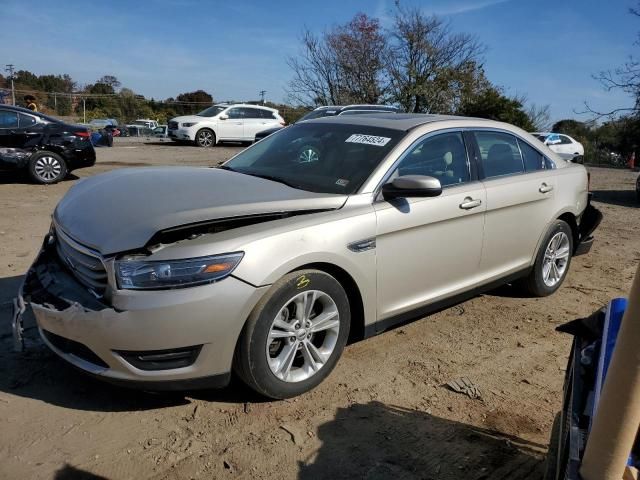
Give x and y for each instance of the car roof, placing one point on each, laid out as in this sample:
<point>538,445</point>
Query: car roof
<point>400,121</point>
<point>227,105</point>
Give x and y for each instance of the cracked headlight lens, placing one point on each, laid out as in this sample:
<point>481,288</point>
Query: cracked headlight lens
<point>135,274</point>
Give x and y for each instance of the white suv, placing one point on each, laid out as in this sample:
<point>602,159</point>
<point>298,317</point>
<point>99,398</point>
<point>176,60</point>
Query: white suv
<point>236,122</point>
<point>567,147</point>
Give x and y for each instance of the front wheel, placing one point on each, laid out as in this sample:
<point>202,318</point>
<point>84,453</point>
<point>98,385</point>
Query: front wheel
<point>552,262</point>
<point>47,168</point>
<point>205,138</point>
<point>295,335</point>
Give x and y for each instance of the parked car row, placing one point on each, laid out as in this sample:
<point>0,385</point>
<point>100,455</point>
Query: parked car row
<point>172,278</point>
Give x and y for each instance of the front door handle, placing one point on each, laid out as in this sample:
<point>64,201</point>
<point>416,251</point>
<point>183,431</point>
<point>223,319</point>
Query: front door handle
<point>469,203</point>
<point>544,188</point>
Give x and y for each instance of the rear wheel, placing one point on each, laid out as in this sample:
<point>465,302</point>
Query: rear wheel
<point>47,167</point>
<point>552,262</point>
<point>205,138</point>
<point>295,335</point>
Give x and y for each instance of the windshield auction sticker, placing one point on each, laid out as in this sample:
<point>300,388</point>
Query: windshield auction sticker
<point>367,139</point>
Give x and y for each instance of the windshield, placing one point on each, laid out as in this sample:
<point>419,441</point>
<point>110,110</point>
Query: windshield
<point>318,157</point>
<point>542,138</point>
<point>211,111</point>
<point>326,112</point>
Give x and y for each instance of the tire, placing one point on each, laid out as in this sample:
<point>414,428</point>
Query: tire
<point>47,168</point>
<point>538,282</point>
<point>276,359</point>
<point>205,138</point>
<point>551,463</point>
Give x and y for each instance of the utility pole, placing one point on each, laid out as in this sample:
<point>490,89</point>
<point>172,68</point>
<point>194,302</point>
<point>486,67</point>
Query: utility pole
<point>84,110</point>
<point>262,93</point>
<point>13,90</point>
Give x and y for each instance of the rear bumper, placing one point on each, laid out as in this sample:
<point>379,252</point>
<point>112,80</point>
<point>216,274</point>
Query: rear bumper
<point>81,157</point>
<point>590,220</point>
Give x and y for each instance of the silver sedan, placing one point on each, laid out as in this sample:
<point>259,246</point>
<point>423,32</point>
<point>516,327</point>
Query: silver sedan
<point>327,230</point>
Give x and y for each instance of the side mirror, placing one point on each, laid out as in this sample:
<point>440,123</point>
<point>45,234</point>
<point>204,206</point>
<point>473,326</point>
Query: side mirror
<point>412,186</point>
<point>224,116</point>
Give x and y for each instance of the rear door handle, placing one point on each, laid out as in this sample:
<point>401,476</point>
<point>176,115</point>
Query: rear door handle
<point>469,203</point>
<point>544,188</point>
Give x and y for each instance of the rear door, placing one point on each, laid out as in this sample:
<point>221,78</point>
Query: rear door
<point>256,120</point>
<point>520,184</point>
<point>12,140</point>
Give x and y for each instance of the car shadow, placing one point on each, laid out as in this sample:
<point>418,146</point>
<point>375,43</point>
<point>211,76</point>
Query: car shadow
<point>69,472</point>
<point>623,198</point>
<point>38,373</point>
<point>375,440</point>
<point>20,177</point>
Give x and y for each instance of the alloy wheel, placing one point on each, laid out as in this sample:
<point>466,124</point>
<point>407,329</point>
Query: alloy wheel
<point>303,336</point>
<point>556,259</point>
<point>48,168</point>
<point>205,138</point>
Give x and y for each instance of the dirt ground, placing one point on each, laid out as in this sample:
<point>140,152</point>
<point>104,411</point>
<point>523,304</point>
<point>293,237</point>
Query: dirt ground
<point>383,413</point>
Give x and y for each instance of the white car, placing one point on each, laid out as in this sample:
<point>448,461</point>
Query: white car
<point>236,122</point>
<point>568,148</point>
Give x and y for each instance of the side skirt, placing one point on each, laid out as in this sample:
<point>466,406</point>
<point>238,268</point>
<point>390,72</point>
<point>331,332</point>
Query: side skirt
<point>407,317</point>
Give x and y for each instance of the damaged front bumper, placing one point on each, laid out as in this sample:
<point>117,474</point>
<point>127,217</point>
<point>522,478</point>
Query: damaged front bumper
<point>155,340</point>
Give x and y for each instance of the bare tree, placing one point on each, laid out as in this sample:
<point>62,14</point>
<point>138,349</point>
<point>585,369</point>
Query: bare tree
<point>625,78</point>
<point>344,65</point>
<point>316,74</point>
<point>358,47</point>
<point>540,116</point>
<point>428,65</point>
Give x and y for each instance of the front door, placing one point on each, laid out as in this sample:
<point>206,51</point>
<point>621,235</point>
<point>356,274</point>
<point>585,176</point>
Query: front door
<point>233,127</point>
<point>430,248</point>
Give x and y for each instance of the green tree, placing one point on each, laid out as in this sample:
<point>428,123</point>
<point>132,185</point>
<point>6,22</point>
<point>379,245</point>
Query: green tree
<point>494,105</point>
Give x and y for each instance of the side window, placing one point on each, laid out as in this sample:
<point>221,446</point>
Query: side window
<point>250,113</point>
<point>26,120</point>
<point>443,157</point>
<point>235,113</point>
<point>533,159</point>
<point>564,140</point>
<point>500,154</point>
<point>267,114</point>
<point>8,119</point>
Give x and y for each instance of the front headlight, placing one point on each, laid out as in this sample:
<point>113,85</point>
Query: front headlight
<point>134,274</point>
<point>189,124</point>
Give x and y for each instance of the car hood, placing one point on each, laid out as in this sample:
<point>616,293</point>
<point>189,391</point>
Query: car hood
<point>121,210</point>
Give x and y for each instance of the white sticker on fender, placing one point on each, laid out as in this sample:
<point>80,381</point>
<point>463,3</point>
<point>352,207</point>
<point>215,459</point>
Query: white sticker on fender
<point>368,139</point>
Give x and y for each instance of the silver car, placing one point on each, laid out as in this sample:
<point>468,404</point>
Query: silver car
<point>175,277</point>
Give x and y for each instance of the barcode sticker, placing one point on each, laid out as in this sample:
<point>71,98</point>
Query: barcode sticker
<point>368,139</point>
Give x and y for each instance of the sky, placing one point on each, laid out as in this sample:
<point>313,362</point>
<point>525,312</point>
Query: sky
<point>547,50</point>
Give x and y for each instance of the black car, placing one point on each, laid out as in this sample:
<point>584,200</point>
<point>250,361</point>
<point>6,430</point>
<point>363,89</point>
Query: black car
<point>334,110</point>
<point>44,146</point>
